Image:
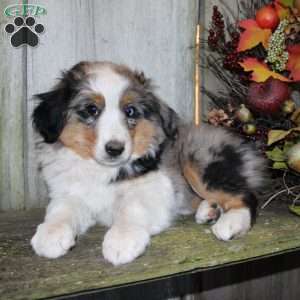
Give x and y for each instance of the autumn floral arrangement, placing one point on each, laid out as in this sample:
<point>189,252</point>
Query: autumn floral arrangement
<point>254,51</point>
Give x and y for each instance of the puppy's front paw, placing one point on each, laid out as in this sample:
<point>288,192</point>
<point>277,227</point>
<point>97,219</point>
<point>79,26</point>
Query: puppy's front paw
<point>234,223</point>
<point>123,245</point>
<point>208,213</point>
<point>53,240</point>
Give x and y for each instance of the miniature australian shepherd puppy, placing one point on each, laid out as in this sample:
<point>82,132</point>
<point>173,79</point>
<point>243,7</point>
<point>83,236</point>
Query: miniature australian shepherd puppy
<point>114,154</point>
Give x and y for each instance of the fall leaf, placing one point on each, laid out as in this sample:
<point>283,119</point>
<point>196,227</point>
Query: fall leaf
<point>252,35</point>
<point>276,155</point>
<point>280,165</point>
<point>293,64</point>
<point>276,135</point>
<point>260,71</point>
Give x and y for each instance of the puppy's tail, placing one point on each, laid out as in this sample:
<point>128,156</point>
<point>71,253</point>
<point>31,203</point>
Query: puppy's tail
<point>221,168</point>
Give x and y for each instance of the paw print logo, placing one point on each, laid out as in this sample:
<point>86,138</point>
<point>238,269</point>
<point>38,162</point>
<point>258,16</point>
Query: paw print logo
<point>24,31</point>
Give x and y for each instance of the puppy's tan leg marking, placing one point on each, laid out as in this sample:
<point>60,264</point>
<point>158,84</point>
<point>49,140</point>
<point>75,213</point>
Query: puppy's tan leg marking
<point>195,203</point>
<point>233,222</point>
<point>226,200</point>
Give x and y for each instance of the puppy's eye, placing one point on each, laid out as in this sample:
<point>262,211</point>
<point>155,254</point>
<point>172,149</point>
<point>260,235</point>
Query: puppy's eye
<point>92,110</point>
<point>130,112</point>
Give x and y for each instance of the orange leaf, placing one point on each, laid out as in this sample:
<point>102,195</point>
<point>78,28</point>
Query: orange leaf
<point>260,71</point>
<point>293,64</point>
<point>253,35</point>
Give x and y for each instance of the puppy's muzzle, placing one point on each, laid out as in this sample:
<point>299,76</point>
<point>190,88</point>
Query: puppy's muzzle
<point>114,148</point>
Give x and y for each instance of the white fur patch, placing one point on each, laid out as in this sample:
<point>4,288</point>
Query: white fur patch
<point>234,223</point>
<point>122,244</point>
<point>111,125</point>
<point>53,240</point>
<point>252,169</point>
<point>206,213</point>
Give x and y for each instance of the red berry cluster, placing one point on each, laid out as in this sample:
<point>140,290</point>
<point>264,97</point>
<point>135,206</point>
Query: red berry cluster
<point>233,43</point>
<point>216,35</point>
<point>216,41</point>
<point>232,57</point>
<point>231,62</point>
<point>262,133</point>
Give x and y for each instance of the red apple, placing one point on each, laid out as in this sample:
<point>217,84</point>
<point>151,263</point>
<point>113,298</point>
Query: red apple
<point>267,97</point>
<point>267,18</point>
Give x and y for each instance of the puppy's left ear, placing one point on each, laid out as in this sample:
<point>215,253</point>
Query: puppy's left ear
<point>49,116</point>
<point>170,120</point>
<point>168,117</point>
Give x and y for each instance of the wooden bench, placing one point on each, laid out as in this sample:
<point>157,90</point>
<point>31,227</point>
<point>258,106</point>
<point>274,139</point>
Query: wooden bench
<point>184,249</point>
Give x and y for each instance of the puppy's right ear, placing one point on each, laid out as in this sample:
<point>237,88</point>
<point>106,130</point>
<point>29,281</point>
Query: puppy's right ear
<point>49,117</point>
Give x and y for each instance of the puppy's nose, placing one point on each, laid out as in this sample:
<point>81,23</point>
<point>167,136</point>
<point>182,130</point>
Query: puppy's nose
<point>114,148</point>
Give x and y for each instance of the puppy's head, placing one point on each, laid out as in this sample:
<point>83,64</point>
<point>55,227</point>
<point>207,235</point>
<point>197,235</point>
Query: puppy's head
<point>105,112</point>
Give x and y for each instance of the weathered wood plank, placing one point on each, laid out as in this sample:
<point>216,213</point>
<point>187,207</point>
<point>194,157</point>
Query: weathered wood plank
<point>13,104</point>
<point>275,278</point>
<point>184,247</point>
<point>152,36</point>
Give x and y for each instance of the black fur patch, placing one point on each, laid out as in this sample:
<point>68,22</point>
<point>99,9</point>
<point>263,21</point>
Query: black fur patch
<point>138,168</point>
<point>141,166</point>
<point>251,202</point>
<point>224,173</point>
<point>49,117</point>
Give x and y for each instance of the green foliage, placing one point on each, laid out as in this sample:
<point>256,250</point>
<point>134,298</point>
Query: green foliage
<point>278,155</point>
<point>280,165</point>
<point>287,3</point>
<point>295,209</point>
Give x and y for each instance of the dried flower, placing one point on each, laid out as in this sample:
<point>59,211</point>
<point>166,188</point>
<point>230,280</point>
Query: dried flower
<point>218,117</point>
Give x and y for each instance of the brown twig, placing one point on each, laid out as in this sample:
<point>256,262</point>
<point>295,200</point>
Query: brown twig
<point>277,194</point>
